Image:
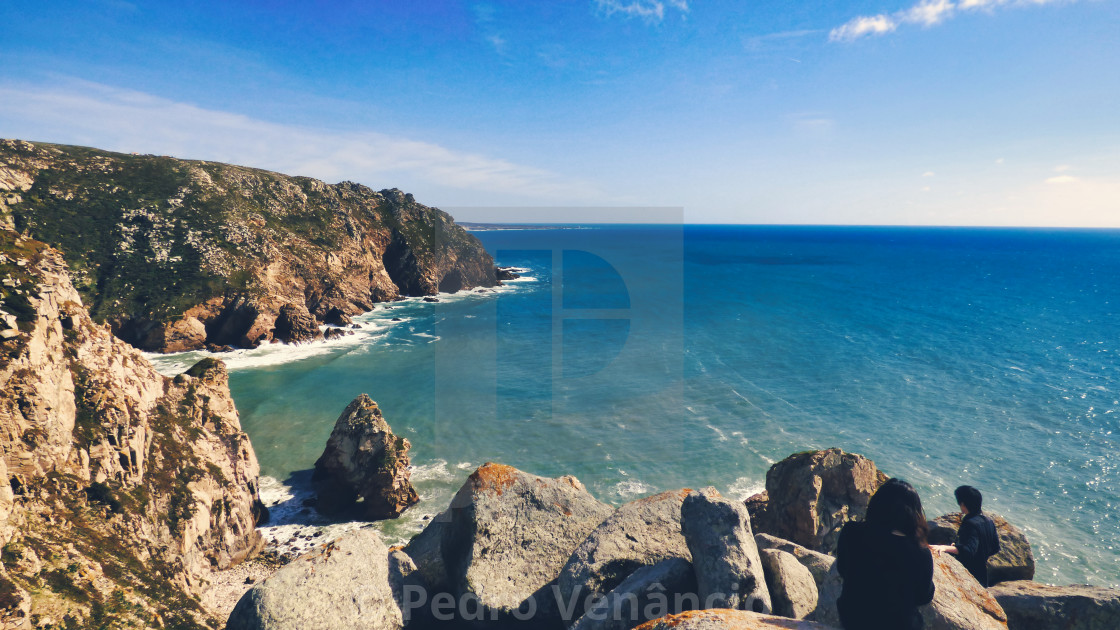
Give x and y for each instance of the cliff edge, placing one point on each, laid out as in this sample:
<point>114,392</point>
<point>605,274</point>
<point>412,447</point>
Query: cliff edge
<point>177,254</point>
<point>120,489</point>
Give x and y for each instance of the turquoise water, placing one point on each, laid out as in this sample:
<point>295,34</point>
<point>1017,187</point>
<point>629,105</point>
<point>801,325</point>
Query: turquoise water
<point>642,359</point>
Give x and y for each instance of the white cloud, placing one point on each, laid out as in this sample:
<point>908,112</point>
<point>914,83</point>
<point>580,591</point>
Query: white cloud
<point>861,26</point>
<point>928,174</point>
<point>1062,179</point>
<point>128,121</point>
<point>651,10</point>
<point>1061,168</point>
<point>926,13</point>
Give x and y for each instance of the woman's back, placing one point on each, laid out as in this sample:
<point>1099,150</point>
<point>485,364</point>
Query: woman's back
<point>886,578</point>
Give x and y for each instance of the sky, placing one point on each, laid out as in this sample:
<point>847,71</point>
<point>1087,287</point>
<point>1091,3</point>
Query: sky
<point>883,112</point>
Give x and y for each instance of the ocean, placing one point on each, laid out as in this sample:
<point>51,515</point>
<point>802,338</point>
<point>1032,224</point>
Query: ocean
<point>648,358</point>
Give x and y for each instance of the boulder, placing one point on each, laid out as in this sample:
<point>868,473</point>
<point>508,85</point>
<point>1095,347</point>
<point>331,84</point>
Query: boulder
<point>508,537</point>
<point>823,569</point>
<point>817,563</point>
<point>1015,561</point>
<point>294,324</point>
<point>793,591</point>
<point>653,591</point>
<point>728,568</point>
<point>959,602</point>
<point>811,495</point>
<point>364,468</point>
<point>341,585</point>
<point>729,620</point>
<point>640,533</point>
<point>1030,606</point>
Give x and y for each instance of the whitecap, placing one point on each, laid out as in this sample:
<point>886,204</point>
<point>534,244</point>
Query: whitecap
<point>745,487</point>
<point>629,488</point>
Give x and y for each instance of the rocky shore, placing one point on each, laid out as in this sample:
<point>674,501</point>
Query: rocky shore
<point>514,550</point>
<point>182,255</point>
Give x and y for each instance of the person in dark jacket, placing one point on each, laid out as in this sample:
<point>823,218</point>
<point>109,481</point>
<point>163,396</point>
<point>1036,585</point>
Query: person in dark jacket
<point>977,539</point>
<point>886,563</point>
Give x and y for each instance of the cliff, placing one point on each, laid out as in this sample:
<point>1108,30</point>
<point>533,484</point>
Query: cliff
<point>120,489</point>
<point>176,254</point>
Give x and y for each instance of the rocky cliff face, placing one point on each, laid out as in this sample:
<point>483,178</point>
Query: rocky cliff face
<point>120,489</point>
<point>177,254</point>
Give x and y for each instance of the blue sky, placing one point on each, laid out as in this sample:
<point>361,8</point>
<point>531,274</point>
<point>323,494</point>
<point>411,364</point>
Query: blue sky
<point>943,112</point>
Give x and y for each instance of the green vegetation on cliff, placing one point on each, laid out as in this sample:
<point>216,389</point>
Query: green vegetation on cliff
<point>149,238</point>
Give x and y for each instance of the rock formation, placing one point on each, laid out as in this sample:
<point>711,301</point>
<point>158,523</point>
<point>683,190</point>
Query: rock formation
<point>728,568</point>
<point>809,496</point>
<point>1015,561</point>
<point>504,539</point>
<point>120,489</point>
<point>1030,605</point>
<point>174,254</point>
<point>640,533</point>
<point>343,584</point>
<point>364,469</point>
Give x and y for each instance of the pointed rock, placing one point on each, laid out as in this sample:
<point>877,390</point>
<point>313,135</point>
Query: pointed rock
<point>364,468</point>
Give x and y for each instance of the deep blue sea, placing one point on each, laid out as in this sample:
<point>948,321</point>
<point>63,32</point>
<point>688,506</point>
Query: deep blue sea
<point>646,358</point>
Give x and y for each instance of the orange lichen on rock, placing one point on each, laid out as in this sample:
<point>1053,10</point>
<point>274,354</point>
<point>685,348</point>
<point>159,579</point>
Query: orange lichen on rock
<point>680,494</point>
<point>491,477</point>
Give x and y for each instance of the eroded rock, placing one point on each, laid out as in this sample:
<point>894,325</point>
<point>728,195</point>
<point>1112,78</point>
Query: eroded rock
<point>809,496</point>
<point>365,468</point>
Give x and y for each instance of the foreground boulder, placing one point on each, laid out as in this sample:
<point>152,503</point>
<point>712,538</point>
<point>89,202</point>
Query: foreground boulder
<point>1031,606</point>
<point>507,535</point>
<point>342,585</point>
<point>724,619</point>
<point>364,468</point>
<point>823,569</point>
<point>809,496</point>
<point>1015,561</point>
<point>793,592</point>
<point>728,568</point>
<point>668,587</point>
<point>959,602</point>
<point>640,533</point>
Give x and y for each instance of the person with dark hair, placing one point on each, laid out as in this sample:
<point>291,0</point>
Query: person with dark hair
<point>977,539</point>
<point>886,563</point>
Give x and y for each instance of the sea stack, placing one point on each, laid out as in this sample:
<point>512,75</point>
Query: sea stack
<point>364,469</point>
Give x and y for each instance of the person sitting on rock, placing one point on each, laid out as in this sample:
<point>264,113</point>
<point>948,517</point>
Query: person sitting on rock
<point>977,539</point>
<point>886,563</point>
